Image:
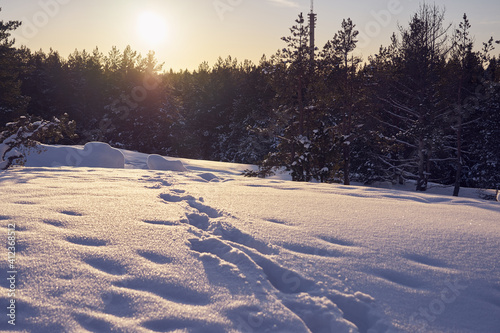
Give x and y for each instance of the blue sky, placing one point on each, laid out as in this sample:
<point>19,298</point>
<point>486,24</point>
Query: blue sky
<point>202,30</point>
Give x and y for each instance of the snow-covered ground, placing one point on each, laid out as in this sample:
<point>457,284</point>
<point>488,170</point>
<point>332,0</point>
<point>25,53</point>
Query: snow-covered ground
<point>207,250</point>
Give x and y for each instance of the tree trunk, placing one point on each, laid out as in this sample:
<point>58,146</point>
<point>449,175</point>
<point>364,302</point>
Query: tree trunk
<point>421,166</point>
<point>301,107</point>
<point>458,176</point>
<point>347,164</point>
<point>348,122</point>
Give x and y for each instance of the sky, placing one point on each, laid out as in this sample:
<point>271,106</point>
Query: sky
<point>186,33</point>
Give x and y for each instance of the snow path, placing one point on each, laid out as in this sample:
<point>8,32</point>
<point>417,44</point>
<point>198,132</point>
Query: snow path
<point>132,250</point>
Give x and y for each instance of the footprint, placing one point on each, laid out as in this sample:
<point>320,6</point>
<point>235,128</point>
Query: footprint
<point>118,304</point>
<point>276,221</point>
<point>398,278</point>
<point>22,246</point>
<point>311,250</point>
<point>94,324</point>
<point>106,265</point>
<point>289,188</point>
<point>343,187</point>
<point>182,325</point>
<point>211,212</point>
<point>70,213</point>
<point>173,292</point>
<point>427,261</point>
<point>54,223</point>
<point>168,223</point>
<point>318,314</point>
<point>256,185</point>
<point>199,221</point>
<point>355,310</point>
<point>405,197</point>
<point>175,198</point>
<point>210,245</point>
<point>232,234</point>
<point>21,227</point>
<point>24,309</point>
<point>86,241</point>
<point>336,241</point>
<point>154,187</point>
<point>155,257</point>
<point>160,183</point>
<point>283,279</point>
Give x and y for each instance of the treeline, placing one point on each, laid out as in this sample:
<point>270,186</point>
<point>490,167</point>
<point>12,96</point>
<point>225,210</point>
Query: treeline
<point>424,108</point>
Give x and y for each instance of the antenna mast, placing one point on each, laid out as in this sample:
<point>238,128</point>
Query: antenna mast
<point>312,26</point>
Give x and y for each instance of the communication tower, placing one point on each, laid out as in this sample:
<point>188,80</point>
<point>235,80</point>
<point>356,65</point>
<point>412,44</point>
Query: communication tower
<point>312,28</point>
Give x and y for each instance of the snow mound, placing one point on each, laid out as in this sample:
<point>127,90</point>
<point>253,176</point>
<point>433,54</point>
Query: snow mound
<point>209,177</point>
<point>157,162</point>
<point>92,155</point>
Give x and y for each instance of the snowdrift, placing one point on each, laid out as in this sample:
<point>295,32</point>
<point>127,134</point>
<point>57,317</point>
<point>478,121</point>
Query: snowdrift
<point>206,250</point>
<point>92,155</point>
<point>157,162</point>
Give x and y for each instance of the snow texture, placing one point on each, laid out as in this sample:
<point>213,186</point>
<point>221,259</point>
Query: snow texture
<point>207,250</point>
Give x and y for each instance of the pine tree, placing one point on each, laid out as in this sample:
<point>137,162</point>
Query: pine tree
<point>485,135</point>
<point>465,69</point>
<point>12,103</point>
<point>296,59</point>
<point>340,65</point>
<point>415,108</point>
<point>291,75</point>
<point>45,81</point>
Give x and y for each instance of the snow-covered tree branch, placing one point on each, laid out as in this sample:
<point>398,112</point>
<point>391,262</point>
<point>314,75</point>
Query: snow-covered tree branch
<point>26,133</point>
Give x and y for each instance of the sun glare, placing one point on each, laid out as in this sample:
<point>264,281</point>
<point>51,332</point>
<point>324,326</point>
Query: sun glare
<point>152,28</point>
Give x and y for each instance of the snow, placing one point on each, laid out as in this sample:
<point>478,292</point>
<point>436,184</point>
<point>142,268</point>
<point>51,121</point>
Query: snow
<point>157,162</point>
<point>93,155</point>
<point>208,250</point>
<point>3,149</point>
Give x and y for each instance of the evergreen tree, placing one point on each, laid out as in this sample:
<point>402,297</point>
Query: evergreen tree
<point>340,67</point>
<point>45,81</point>
<point>464,68</point>
<point>485,136</point>
<point>296,60</point>
<point>12,102</point>
<point>291,74</point>
<point>415,106</point>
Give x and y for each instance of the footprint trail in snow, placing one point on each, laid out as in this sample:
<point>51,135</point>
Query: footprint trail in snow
<point>244,264</point>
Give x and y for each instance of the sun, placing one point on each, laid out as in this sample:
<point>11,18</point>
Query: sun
<point>151,28</point>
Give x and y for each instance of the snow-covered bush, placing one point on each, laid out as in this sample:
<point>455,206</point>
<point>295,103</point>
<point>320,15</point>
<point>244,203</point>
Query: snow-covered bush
<point>28,132</point>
